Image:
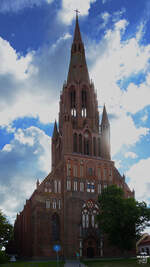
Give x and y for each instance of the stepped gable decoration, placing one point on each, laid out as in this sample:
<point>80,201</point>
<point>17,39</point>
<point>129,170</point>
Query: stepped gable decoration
<point>62,209</point>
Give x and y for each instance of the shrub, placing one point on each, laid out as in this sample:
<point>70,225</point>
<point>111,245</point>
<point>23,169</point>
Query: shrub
<point>3,257</point>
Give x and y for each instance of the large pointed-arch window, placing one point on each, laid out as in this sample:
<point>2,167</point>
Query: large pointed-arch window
<point>89,211</point>
<point>55,227</point>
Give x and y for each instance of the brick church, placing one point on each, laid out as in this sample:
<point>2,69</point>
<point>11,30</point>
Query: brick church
<point>63,207</point>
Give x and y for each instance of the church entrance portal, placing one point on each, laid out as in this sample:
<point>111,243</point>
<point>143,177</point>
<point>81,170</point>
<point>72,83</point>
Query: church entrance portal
<point>90,248</point>
<point>90,252</point>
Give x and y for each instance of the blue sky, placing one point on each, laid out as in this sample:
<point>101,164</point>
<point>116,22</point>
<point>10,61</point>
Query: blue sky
<point>35,40</point>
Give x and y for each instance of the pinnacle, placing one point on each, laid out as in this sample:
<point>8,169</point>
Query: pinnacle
<point>55,131</point>
<point>104,116</point>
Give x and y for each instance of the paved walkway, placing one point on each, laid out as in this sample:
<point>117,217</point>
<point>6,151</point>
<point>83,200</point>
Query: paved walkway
<point>73,264</point>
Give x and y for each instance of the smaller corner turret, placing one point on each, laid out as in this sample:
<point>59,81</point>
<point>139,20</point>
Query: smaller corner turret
<point>105,135</point>
<point>37,184</point>
<point>55,131</point>
<point>56,146</point>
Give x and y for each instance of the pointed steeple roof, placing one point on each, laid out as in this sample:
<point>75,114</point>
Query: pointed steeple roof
<point>77,34</point>
<point>78,68</point>
<point>105,120</point>
<point>55,131</point>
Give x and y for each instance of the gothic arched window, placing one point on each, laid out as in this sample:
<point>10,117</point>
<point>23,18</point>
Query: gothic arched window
<point>55,227</point>
<point>83,220</point>
<point>84,98</point>
<point>80,143</point>
<point>86,143</point>
<point>75,142</point>
<point>94,146</point>
<point>89,211</point>
<point>99,148</point>
<point>84,103</point>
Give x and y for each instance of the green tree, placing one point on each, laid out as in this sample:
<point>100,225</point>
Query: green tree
<point>6,230</point>
<point>122,219</point>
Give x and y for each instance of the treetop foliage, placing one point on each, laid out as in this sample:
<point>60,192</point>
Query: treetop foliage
<point>6,230</point>
<point>122,219</point>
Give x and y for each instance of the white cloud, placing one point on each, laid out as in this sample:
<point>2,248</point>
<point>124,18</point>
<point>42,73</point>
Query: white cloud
<point>119,60</point>
<point>7,147</point>
<point>67,14</point>
<point>118,14</point>
<point>139,179</point>
<point>145,117</point>
<point>16,5</point>
<point>118,164</point>
<point>141,31</point>
<point>28,157</point>
<point>105,17</point>
<point>13,63</point>
<point>30,85</point>
<point>130,155</point>
<point>139,92</point>
<point>124,132</point>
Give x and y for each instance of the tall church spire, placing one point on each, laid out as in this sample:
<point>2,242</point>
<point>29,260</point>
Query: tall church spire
<point>77,34</point>
<point>78,71</point>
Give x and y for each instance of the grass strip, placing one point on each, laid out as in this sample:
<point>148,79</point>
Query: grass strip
<point>32,264</point>
<point>113,263</point>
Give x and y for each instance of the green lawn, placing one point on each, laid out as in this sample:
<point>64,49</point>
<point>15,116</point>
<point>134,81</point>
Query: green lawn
<point>114,263</point>
<point>32,264</point>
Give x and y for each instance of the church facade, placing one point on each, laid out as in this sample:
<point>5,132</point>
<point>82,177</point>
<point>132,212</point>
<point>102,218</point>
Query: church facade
<point>63,207</point>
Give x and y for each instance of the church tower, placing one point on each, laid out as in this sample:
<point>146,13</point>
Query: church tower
<point>63,207</point>
<point>79,129</point>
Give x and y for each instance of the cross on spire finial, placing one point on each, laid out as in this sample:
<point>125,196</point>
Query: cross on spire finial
<point>77,11</point>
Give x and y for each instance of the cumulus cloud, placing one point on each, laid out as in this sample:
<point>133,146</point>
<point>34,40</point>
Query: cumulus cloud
<point>66,14</point>
<point>105,17</point>
<point>28,157</point>
<point>139,179</point>
<point>30,84</point>
<point>130,155</point>
<point>16,5</point>
<point>118,60</point>
<point>139,92</point>
<point>12,62</point>
<point>125,132</point>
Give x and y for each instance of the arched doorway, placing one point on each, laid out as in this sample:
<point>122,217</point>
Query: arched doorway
<point>90,247</point>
